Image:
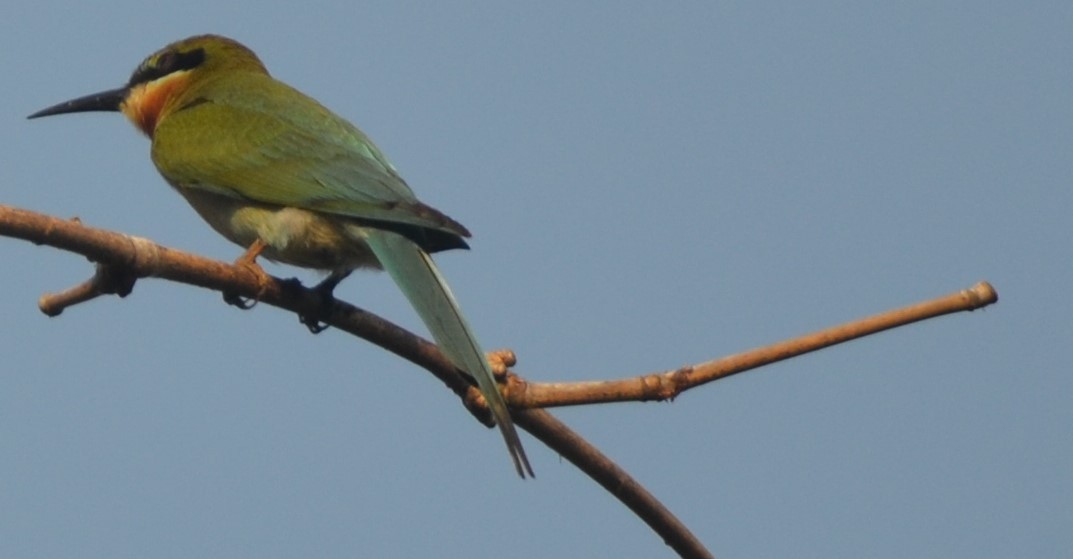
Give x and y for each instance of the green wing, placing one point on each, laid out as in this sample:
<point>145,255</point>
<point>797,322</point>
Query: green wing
<point>272,144</point>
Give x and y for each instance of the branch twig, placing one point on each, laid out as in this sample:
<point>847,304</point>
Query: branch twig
<point>667,385</point>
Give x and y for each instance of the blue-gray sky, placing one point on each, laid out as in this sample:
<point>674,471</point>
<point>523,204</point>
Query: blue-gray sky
<point>649,185</point>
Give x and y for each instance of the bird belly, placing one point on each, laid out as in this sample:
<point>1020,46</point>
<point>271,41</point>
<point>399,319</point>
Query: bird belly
<point>292,235</point>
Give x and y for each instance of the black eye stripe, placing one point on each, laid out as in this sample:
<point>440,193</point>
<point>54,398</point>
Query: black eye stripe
<point>165,64</point>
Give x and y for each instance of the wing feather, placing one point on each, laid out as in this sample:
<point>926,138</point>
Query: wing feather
<point>274,145</point>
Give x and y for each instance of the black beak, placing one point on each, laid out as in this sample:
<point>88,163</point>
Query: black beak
<point>104,101</point>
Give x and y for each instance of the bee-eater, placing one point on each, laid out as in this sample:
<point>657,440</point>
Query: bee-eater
<point>274,171</point>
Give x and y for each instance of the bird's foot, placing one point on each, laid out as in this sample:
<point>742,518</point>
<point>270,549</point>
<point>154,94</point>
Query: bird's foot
<point>236,300</point>
<point>248,260</point>
<point>325,290</point>
<point>312,324</point>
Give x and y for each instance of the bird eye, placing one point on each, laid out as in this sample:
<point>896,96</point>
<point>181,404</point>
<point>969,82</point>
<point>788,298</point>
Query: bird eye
<point>166,63</point>
<point>147,71</point>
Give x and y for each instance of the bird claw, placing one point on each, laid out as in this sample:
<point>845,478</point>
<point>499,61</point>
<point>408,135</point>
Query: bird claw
<point>236,300</point>
<point>315,326</point>
<point>325,291</point>
<point>248,260</point>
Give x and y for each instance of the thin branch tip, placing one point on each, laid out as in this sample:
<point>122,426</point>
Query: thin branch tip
<point>982,294</point>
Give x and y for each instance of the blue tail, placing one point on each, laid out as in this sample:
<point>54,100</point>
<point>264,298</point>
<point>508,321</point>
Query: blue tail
<point>421,282</point>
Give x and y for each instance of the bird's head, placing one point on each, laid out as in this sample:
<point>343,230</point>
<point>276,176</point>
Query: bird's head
<point>164,81</point>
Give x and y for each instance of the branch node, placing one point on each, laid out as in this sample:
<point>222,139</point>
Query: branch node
<point>145,255</point>
<point>673,383</point>
<point>501,360</point>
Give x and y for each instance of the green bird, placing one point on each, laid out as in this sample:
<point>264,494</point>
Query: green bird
<point>274,171</point>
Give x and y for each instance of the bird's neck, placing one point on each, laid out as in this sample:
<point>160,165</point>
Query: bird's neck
<point>147,103</point>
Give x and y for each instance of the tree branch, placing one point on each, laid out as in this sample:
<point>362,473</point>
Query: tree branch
<point>122,258</point>
<point>666,385</point>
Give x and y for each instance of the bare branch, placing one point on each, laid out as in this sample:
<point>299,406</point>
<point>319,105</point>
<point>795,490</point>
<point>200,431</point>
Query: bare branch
<point>121,259</point>
<point>614,479</point>
<point>666,385</point>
